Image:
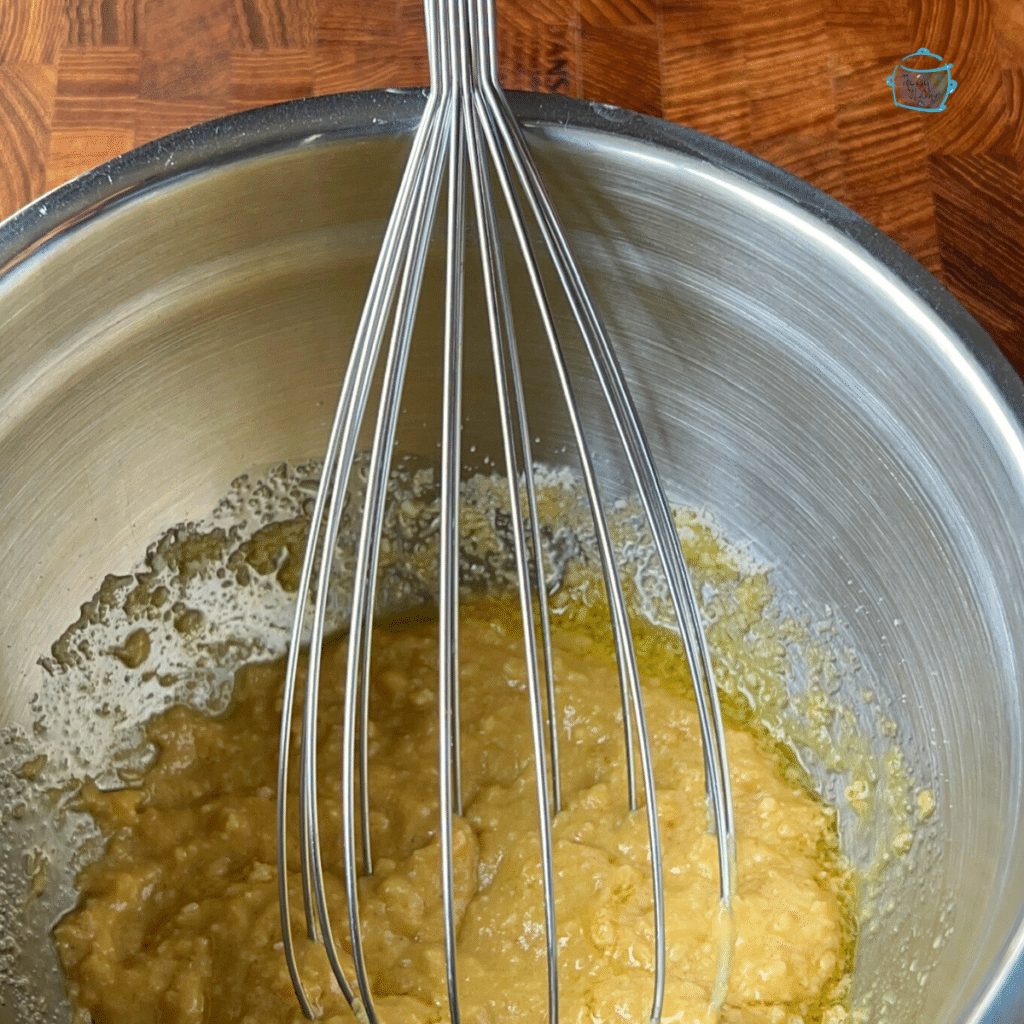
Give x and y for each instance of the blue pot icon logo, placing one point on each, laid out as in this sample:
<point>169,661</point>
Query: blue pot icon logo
<point>921,81</point>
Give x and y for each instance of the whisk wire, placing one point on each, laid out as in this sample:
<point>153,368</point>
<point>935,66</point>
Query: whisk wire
<point>368,549</point>
<point>468,135</point>
<point>629,680</point>
<point>516,465</point>
<point>496,277</point>
<point>333,485</point>
<point>449,769</point>
<point>645,474</point>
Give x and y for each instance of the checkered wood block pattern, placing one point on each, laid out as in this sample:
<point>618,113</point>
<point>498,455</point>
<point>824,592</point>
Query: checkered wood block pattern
<point>798,82</point>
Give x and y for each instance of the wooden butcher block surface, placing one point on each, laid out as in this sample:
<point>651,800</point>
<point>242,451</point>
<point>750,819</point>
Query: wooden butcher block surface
<point>801,83</point>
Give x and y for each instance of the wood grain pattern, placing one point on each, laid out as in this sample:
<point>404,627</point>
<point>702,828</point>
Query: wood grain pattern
<point>620,66</point>
<point>545,61</point>
<point>275,24</point>
<point>259,77</point>
<point>798,82</point>
<point>103,22</point>
<point>31,31</point>
<point>981,255</point>
<point>704,70</point>
<point>1012,142</point>
<point>27,93</point>
<point>186,51</point>
<point>1008,22</point>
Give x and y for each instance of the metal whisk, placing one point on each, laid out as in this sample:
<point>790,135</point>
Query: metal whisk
<point>468,139</point>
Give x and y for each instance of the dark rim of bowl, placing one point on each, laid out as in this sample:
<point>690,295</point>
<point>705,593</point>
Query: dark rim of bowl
<point>392,111</point>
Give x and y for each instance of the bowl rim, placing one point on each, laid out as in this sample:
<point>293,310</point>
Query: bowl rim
<point>396,111</point>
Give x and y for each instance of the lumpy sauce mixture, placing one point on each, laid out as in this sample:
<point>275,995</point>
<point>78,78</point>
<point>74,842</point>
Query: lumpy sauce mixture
<point>178,920</point>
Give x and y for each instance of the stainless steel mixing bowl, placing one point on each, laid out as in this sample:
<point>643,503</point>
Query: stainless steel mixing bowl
<point>799,375</point>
